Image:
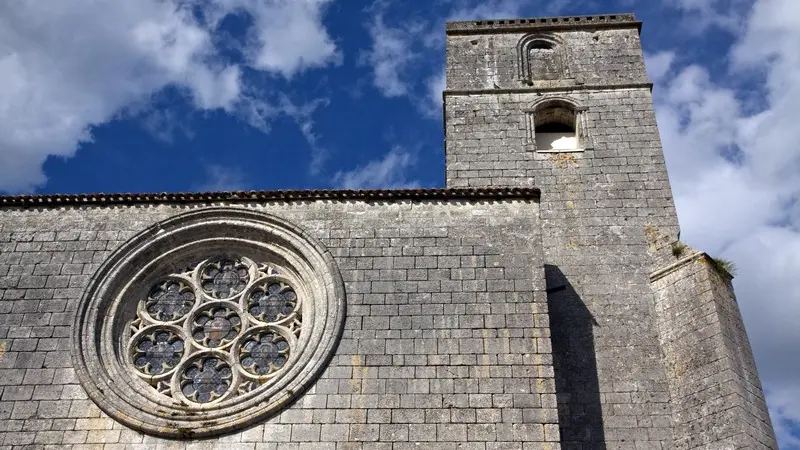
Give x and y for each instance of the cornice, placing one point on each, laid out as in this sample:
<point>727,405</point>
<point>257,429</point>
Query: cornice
<point>55,200</point>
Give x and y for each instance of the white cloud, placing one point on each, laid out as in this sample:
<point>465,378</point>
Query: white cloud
<point>497,9</point>
<point>287,36</point>
<point>165,124</point>
<point>658,65</point>
<point>222,178</point>
<point>68,66</point>
<point>436,85</point>
<point>783,404</point>
<point>735,172</point>
<point>303,117</point>
<point>387,172</point>
<point>391,55</point>
<point>726,14</point>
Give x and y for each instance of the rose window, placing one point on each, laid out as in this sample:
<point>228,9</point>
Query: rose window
<point>190,345</point>
<point>208,322</point>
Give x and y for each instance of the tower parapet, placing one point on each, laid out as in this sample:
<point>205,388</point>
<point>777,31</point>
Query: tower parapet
<point>545,54</point>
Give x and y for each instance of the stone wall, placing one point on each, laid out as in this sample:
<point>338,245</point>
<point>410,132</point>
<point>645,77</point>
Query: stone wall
<point>716,394</point>
<point>446,342</point>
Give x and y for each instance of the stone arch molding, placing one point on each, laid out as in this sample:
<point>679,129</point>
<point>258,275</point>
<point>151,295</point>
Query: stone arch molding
<point>208,322</point>
<point>557,63</point>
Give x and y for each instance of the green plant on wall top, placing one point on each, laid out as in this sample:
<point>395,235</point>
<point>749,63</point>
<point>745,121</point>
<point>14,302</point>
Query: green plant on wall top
<point>678,249</point>
<point>724,266</point>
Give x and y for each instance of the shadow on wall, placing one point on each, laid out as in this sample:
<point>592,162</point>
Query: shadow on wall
<point>577,387</point>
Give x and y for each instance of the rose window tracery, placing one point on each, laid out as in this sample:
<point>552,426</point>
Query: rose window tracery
<point>224,278</point>
<point>264,353</point>
<point>272,302</point>
<point>169,300</point>
<point>157,350</point>
<point>208,321</point>
<point>223,328</point>
<point>216,325</point>
<point>206,379</point>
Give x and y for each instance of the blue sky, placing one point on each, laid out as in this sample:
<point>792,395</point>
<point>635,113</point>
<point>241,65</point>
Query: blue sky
<point>169,95</point>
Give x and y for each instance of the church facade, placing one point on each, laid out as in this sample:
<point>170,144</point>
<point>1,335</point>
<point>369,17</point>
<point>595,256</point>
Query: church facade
<point>541,300</point>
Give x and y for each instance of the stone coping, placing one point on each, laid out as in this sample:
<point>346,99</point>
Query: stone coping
<point>55,200</point>
<point>703,256</point>
<point>541,23</point>
<point>546,89</point>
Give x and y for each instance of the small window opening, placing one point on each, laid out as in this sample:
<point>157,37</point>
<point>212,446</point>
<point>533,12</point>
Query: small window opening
<point>555,128</point>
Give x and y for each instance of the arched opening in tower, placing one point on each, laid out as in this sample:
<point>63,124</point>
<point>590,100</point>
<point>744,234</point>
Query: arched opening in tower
<point>555,128</point>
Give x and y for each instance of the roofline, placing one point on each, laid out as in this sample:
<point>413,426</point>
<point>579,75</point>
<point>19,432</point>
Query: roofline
<point>56,200</point>
<point>625,20</point>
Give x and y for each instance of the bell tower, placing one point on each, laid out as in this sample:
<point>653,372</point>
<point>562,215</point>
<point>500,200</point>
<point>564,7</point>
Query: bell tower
<point>564,104</point>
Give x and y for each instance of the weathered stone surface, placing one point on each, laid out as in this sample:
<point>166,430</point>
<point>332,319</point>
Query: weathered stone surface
<point>591,58</point>
<point>716,394</point>
<point>446,322</point>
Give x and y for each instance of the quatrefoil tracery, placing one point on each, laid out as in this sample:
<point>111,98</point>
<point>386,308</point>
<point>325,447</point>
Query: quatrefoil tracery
<point>224,328</point>
<point>170,300</point>
<point>224,278</point>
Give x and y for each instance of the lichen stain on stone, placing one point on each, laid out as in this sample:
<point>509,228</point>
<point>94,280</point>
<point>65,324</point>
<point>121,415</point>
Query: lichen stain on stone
<point>359,374</point>
<point>676,369</point>
<point>540,384</point>
<point>485,362</point>
<point>563,160</point>
<point>3,349</point>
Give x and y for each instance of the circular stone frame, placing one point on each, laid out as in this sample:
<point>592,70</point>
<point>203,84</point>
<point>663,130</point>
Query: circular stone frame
<point>99,353</point>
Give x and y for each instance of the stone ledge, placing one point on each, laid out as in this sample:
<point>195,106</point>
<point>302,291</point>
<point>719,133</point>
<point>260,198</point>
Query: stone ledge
<point>549,23</point>
<point>661,273</point>
<point>536,90</point>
